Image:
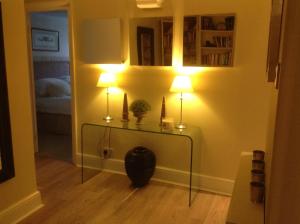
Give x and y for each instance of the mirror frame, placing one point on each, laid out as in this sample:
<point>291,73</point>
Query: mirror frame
<point>7,164</point>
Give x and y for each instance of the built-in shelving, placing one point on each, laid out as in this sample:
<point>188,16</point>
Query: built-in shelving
<point>208,40</point>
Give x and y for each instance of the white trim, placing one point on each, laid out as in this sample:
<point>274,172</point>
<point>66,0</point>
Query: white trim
<point>163,174</point>
<point>21,209</point>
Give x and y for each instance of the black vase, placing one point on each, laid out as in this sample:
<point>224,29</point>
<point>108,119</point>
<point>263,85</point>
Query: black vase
<point>140,165</point>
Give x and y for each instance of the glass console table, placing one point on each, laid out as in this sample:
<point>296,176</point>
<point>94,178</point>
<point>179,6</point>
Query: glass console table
<point>191,133</point>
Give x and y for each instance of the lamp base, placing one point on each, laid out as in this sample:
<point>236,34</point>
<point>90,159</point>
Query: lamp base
<point>180,126</point>
<point>108,118</point>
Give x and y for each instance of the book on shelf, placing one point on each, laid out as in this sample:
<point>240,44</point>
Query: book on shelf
<point>229,22</point>
<point>208,23</point>
<point>221,41</point>
<point>167,41</point>
<point>219,59</point>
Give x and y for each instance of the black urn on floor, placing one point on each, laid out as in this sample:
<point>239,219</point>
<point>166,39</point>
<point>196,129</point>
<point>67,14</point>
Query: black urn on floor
<point>140,165</point>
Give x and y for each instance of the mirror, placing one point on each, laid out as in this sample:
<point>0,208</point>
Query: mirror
<point>6,158</point>
<point>151,41</point>
<point>208,40</point>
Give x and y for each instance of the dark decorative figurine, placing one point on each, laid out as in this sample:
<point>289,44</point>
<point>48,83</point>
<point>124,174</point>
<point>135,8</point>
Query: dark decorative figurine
<point>163,110</point>
<point>125,109</point>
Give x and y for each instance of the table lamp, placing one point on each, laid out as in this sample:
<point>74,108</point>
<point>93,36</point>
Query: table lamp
<point>107,80</point>
<point>181,84</point>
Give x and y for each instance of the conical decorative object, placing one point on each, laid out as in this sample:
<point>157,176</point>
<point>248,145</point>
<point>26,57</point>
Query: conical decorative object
<point>163,110</point>
<point>125,109</point>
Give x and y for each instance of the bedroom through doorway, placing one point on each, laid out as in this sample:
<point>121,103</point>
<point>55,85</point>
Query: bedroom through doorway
<point>52,86</point>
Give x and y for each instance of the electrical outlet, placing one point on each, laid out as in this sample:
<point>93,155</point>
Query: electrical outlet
<point>107,152</point>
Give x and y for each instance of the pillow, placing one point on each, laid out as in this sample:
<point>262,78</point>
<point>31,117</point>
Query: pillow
<point>52,87</point>
<point>58,87</point>
<point>41,87</point>
<point>65,78</point>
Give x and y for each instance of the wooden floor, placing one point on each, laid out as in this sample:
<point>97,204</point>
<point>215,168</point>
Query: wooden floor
<point>55,146</point>
<point>109,199</point>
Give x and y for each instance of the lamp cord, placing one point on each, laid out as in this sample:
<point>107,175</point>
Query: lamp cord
<point>107,101</point>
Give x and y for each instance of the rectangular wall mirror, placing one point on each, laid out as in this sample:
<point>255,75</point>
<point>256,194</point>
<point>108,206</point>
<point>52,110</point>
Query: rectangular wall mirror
<point>208,40</point>
<point>151,41</point>
<point>6,158</point>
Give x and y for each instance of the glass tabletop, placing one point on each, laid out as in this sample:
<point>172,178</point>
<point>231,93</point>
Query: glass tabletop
<point>147,127</point>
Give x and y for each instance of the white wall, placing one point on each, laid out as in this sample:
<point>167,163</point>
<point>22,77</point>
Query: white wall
<point>52,22</point>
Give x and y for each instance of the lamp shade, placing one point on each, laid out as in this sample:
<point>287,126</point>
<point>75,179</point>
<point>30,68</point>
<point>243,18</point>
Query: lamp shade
<point>107,80</point>
<point>181,84</point>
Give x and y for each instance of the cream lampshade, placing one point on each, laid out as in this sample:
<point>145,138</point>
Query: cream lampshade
<point>107,80</point>
<point>181,84</point>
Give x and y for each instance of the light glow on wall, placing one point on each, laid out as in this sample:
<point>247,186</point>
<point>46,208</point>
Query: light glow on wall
<point>112,68</point>
<point>183,70</point>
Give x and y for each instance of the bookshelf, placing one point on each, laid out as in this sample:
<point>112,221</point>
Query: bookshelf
<point>209,40</point>
<point>167,41</point>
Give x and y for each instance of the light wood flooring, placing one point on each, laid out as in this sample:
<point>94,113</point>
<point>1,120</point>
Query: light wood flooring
<point>109,199</point>
<point>55,146</point>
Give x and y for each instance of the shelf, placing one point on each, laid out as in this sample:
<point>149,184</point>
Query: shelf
<point>242,210</point>
<point>214,30</point>
<point>216,48</point>
<point>218,31</point>
<point>216,66</point>
<point>217,45</point>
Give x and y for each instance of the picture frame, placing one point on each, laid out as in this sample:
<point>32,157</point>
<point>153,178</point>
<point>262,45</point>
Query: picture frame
<point>145,45</point>
<point>44,40</point>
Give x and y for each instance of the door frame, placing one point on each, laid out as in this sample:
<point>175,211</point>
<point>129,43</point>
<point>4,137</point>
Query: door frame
<point>46,6</point>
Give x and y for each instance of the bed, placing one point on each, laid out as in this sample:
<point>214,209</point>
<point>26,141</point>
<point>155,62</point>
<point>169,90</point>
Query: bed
<point>53,97</point>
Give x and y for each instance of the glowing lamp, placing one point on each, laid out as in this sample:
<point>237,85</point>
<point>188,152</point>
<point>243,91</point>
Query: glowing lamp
<point>107,80</point>
<point>181,84</point>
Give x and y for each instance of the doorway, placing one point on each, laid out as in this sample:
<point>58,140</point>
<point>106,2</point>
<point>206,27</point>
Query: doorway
<point>52,88</point>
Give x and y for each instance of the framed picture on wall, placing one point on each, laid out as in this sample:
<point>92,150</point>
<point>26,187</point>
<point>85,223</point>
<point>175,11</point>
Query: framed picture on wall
<point>44,40</point>
<point>145,45</point>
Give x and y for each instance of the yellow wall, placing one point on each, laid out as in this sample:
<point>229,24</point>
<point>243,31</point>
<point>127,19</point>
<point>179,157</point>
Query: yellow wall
<point>24,182</point>
<point>229,104</point>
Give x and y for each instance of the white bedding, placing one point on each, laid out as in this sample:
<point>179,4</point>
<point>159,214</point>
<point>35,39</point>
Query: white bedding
<point>54,105</point>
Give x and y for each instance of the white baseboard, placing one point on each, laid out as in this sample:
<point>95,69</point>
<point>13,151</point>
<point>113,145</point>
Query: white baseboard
<point>163,174</point>
<point>21,209</point>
